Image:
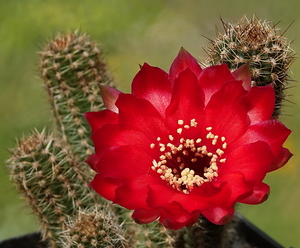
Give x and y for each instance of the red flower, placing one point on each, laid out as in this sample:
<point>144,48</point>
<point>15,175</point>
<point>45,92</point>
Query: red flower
<point>194,141</point>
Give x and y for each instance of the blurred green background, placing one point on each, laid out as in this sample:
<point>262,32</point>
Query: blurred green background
<point>132,32</point>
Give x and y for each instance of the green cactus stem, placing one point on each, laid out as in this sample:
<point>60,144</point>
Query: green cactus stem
<point>259,43</point>
<point>51,180</point>
<point>72,67</point>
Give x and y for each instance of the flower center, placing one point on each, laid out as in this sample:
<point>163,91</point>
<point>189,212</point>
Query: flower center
<point>187,163</point>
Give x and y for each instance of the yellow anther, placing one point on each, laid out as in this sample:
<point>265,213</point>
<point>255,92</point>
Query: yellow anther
<point>179,130</point>
<point>180,122</point>
<point>162,149</point>
<point>162,157</point>
<point>193,123</point>
<point>219,152</point>
<point>155,163</point>
<point>168,155</point>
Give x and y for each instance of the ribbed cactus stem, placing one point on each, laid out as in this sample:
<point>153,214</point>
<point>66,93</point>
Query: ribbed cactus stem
<point>94,227</point>
<point>51,180</point>
<point>72,67</point>
<point>259,43</point>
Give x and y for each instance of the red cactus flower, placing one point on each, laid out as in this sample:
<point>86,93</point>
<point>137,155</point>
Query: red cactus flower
<point>194,141</point>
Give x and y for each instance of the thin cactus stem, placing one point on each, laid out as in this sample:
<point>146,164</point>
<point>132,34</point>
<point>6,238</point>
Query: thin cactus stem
<point>72,67</point>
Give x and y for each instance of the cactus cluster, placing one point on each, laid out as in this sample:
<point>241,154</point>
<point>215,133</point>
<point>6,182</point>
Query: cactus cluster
<point>259,43</point>
<point>48,167</point>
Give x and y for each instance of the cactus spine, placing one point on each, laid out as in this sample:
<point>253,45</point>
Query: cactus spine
<point>257,42</point>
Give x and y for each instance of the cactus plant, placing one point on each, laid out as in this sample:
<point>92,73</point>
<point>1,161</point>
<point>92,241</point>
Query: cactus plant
<point>48,167</point>
<point>259,43</point>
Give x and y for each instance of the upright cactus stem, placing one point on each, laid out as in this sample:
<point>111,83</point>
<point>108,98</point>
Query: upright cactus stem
<point>259,43</point>
<point>51,181</point>
<point>72,67</point>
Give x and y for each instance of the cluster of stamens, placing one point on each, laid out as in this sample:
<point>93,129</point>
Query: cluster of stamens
<point>179,155</point>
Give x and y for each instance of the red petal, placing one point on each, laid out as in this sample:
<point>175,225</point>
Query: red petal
<point>184,60</point>
<point>105,187</point>
<point>252,160</point>
<point>112,135</point>
<point>280,160</point>
<point>92,160</point>
<point>160,196</point>
<point>98,119</point>
<point>140,113</point>
<point>225,113</point>
<point>238,187</point>
<point>212,79</point>
<point>141,216</point>
<point>126,163</point>
<point>187,100</point>
<point>110,96</point>
<point>243,73</point>
<point>271,131</point>
<point>133,195</point>
<point>260,193</point>
<point>154,85</point>
<point>174,217</point>
<point>219,215</point>
<point>201,198</point>
<point>262,102</point>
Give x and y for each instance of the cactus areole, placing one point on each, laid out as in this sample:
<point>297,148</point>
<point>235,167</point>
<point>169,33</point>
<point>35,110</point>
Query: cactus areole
<point>189,142</point>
